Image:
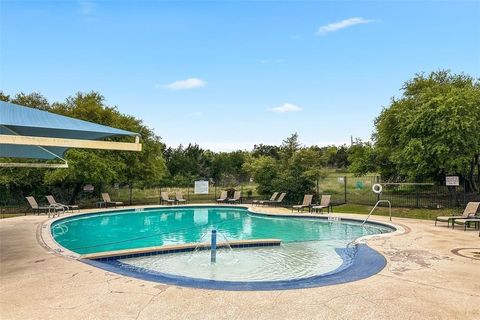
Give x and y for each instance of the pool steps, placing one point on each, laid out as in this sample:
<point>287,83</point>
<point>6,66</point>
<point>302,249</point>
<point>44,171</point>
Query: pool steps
<point>150,251</point>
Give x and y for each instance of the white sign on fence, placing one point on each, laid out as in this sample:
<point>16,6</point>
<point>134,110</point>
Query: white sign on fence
<point>88,188</point>
<point>452,181</point>
<point>201,187</point>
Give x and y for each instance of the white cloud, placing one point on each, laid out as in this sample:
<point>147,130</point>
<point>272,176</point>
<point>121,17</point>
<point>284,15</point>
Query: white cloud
<point>287,107</point>
<point>332,27</point>
<point>272,61</point>
<point>189,83</point>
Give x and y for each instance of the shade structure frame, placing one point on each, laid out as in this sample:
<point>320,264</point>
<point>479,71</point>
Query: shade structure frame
<point>36,134</point>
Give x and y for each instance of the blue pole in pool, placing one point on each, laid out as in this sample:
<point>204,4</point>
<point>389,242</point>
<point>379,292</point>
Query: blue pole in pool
<point>213,248</point>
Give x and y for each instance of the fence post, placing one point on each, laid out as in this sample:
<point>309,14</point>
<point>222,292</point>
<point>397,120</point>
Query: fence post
<point>416,196</point>
<point>241,191</point>
<point>345,187</point>
<point>131,187</point>
<point>160,195</point>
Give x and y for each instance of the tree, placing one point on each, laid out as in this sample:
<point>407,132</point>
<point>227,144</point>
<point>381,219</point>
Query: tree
<point>265,171</point>
<point>433,130</point>
<point>94,166</point>
<point>266,150</point>
<point>296,171</point>
<point>187,164</point>
<point>362,158</point>
<point>289,146</point>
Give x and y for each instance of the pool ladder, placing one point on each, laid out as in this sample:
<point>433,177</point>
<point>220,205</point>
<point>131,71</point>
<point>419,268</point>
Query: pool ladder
<point>376,205</point>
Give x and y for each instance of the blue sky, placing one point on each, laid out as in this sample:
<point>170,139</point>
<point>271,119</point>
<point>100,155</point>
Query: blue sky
<point>220,73</point>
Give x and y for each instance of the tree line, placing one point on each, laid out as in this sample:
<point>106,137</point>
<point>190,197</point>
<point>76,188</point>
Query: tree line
<point>431,131</point>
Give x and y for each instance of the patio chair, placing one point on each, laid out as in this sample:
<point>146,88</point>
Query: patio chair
<point>272,198</point>
<point>307,202</point>
<point>324,203</point>
<point>276,202</point>
<point>223,197</point>
<point>68,207</point>
<point>179,197</point>
<point>47,209</point>
<point>237,195</point>
<point>470,210</point>
<point>468,222</point>
<point>107,201</point>
<point>166,199</point>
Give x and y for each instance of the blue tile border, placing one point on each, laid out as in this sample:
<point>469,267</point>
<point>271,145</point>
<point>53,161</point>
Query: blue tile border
<point>366,263</point>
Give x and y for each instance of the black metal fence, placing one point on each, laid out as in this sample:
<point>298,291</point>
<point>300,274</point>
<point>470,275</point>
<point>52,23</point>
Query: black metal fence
<point>343,189</point>
<point>12,198</point>
<point>358,190</point>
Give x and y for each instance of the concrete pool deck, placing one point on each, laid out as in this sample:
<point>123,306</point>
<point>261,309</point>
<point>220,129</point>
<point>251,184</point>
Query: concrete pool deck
<point>423,279</point>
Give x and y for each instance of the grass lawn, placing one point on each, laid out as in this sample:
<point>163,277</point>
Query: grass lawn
<point>413,213</point>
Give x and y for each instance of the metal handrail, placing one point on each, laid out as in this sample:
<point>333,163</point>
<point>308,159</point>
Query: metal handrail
<point>376,205</point>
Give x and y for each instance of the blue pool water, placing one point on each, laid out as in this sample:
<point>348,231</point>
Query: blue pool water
<point>310,246</point>
<point>130,229</point>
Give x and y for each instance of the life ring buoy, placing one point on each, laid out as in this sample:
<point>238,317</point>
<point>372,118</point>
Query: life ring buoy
<point>377,188</point>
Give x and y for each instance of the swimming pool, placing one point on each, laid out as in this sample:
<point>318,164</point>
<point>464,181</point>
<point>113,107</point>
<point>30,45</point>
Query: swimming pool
<point>311,248</point>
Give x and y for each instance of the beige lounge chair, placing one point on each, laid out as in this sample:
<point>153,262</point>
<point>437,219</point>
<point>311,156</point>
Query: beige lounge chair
<point>179,197</point>
<point>307,202</point>
<point>166,199</point>
<point>276,202</point>
<point>68,207</point>
<point>47,209</point>
<point>324,203</point>
<point>468,222</point>
<point>279,200</point>
<point>237,195</point>
<point>470,210</point>
<point>272,198</point>
<point>107,201</point>
<point>223,196</point>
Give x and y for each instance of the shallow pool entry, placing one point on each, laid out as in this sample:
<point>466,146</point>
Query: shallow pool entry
<point>308,252</point>
<point>286,262</point>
